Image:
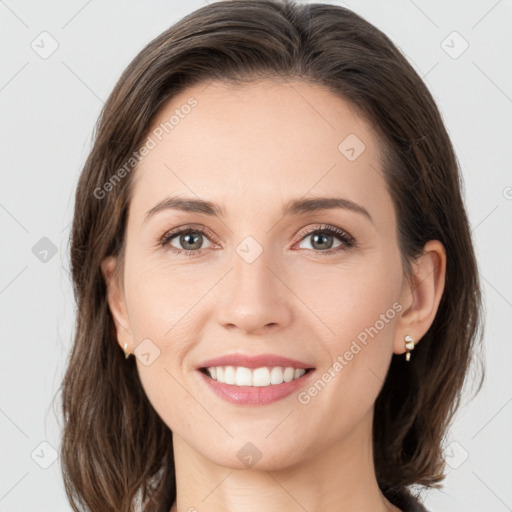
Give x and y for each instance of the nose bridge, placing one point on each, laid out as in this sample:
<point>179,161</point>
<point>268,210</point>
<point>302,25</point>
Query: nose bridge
<point>253,297</point>
<point>250,266</point>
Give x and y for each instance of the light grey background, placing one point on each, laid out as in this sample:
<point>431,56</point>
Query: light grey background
<point>48,109</point>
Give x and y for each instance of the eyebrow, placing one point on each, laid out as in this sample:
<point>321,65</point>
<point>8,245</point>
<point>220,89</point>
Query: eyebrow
<point>293,207</point>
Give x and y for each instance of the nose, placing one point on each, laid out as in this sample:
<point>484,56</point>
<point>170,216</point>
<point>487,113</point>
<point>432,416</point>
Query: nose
<point>254,297</point>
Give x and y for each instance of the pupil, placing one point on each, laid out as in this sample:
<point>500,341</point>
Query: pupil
<point>322,237</point>
<point>191,239</point>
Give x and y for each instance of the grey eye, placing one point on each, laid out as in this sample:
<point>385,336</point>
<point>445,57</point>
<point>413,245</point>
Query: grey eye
<point>189,241</point>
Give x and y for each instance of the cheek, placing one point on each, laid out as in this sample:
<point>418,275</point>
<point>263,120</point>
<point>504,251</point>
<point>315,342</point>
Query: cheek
<point>347,299</point>
<point>356,308</point>
<point>161,310</point>
<point>164,306</point>
<point>161,297</point>
<point>360,310</point>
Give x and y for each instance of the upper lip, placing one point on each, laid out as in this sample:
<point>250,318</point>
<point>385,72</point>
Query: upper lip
<point>254,361</point>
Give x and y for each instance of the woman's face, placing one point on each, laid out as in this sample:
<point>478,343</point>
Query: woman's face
<point>262,279</point>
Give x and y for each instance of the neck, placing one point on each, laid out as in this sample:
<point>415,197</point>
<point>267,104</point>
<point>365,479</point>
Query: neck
<point>341,477</point>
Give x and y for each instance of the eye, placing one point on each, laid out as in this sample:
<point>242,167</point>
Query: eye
<point>189,240</point>
<point>322,240</point>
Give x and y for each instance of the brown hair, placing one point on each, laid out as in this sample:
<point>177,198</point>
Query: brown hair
<point>114,444</point>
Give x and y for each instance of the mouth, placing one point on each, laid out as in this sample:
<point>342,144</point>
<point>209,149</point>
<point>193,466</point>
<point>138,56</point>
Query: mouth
<point>254,377</point>
<point>254,386</point>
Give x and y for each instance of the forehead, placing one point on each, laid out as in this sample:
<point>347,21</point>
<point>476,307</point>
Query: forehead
<point>257,145</point>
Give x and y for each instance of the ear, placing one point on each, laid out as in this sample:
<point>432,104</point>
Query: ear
<point>421,298</point>
<point>116,302</point>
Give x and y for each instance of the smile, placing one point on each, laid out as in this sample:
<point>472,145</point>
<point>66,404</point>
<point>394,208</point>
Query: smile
<point>267,384</point>
<point>254,377</point>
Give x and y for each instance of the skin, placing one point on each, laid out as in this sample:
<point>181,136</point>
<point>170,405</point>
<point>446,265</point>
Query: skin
<point>251,149</point>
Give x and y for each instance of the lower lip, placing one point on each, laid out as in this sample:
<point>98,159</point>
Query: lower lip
<point>255,395</point>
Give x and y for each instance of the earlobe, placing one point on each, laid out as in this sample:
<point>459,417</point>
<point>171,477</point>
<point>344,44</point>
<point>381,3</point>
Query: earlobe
<point>116,302</point>
<point>423,295</point>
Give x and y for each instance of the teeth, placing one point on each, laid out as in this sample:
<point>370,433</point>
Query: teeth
<point>229,375</point>
<point>241,376</point>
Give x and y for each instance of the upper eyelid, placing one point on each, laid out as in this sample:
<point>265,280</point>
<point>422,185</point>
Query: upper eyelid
<point>325,227</point>
<point>168,235</point>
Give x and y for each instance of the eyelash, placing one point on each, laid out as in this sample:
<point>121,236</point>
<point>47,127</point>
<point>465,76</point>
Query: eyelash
<point>347,239</point>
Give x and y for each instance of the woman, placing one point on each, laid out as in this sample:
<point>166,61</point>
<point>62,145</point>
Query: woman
<point>277,293</point>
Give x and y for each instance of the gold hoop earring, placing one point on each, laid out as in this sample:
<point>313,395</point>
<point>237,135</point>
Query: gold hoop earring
<point>409,345</point>
<point>125,350</point>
